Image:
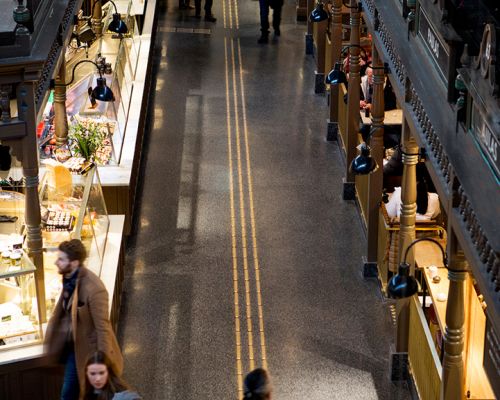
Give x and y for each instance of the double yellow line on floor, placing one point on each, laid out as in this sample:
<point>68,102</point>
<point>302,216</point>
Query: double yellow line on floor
<point>238,159</point>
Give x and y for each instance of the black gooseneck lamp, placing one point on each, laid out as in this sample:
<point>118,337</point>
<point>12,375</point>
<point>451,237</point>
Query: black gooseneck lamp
<point>116,25</point>
<point>403,285</point>
<point>319,13</point>
<point>336,76</point>
<point>364,163</point>
<point>101,91</point>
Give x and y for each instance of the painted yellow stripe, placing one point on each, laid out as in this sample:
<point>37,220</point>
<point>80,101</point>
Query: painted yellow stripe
<point>224,13</point>
<point>252,215</point>
<point>242,215</point>
<point>239,368</point>
<point>230,15</point>
<point>236,14</point>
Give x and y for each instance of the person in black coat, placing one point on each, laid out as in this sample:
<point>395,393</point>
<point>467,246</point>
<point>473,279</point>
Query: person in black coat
<point>264,5</point>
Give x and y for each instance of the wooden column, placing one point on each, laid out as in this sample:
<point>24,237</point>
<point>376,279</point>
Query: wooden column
<point>319,35</point>
<point>375,179</point>
<point>61,118</point>
<point>311,4</point>
<point>97,23</point>
<point>452,386</point>
<point>349,190</point>
<point>336,40</point>
<point>27,112</point>
<point>407,227</point>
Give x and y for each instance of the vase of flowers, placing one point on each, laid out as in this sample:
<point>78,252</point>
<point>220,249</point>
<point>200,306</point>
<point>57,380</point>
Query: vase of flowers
<point>86,139</point>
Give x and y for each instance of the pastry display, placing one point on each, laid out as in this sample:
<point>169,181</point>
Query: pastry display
<point>59,221</point>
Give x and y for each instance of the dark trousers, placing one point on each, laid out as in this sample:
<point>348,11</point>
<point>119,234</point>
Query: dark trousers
<point>264,15</point>
<point>71,388</point>
<point>207,8</point>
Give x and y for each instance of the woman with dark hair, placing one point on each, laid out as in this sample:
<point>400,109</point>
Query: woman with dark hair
<point>257,385</point>
<point>102,383</point>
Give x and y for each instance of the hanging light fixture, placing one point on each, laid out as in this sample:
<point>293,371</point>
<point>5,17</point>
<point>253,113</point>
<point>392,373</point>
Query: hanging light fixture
<point>319,13</point>
<point>403,285</point>
<point>364,163</point>
<point>101,91</point>
<point>116,25</point>
<point>336,76</point>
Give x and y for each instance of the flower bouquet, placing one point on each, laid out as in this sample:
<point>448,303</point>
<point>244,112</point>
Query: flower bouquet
<point>86,139</point>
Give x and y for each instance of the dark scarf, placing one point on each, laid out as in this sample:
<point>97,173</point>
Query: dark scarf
<point>69,285</point>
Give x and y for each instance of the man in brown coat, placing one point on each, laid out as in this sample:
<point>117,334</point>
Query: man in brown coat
<point>80,324</point>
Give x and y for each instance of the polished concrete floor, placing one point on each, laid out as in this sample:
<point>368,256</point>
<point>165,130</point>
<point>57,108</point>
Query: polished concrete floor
<point>244,253</point>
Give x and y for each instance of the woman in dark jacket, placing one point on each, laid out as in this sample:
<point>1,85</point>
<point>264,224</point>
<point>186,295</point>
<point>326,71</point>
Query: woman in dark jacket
<point>101,382</point>
<point>257,385</point>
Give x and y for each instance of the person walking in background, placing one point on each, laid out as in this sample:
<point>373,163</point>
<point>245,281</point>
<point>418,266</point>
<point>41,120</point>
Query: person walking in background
<point>264,6</point>
<point>80,324</point>
<point>257,385</point>
<point>208,10</point>
<point>102,383</point>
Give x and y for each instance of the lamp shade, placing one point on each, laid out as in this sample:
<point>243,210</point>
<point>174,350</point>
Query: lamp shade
<point>363,164</point>
<point>117,25</point>
<point>336,76</point>
<point>318,14</point>
<point>402,285</point>
<point>102,92</point>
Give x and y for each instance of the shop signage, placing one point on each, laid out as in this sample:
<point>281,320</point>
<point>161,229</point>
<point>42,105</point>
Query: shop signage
<point>492,358</point>
<point>487,140</point>
<point>434,43</point>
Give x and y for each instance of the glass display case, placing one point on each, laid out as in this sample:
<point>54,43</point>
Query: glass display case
<point>72,206</point>
<point>19,314</point>
<point>121,53</point>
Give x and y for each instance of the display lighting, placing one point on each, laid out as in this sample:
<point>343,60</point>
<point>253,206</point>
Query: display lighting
<point>101,91</point>
<point>336,76</point>
<point>319,13</point>
<point>403,285</point>
<point>116,25</point>
<point>364,163</point>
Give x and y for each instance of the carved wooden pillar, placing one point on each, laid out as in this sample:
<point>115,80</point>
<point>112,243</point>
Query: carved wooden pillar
<point>309,34</point>
<point>97,23</point>
<point>61,118</point>
<point>453,366</point>
<point>407,227</point>
<point>349,190</point>
<point>27,112</point>
<point>375,179</point>
<point>336,39</point>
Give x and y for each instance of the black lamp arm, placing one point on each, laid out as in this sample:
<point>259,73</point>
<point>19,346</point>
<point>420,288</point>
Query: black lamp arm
<point>349,46</point>
<point>359,6</point>
<point>373,129</point>
<point>74,68</point>
<point>100,1</point>
<point>428,239</point>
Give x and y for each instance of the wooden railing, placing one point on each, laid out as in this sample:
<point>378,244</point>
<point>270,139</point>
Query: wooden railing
<point>422,355</point>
